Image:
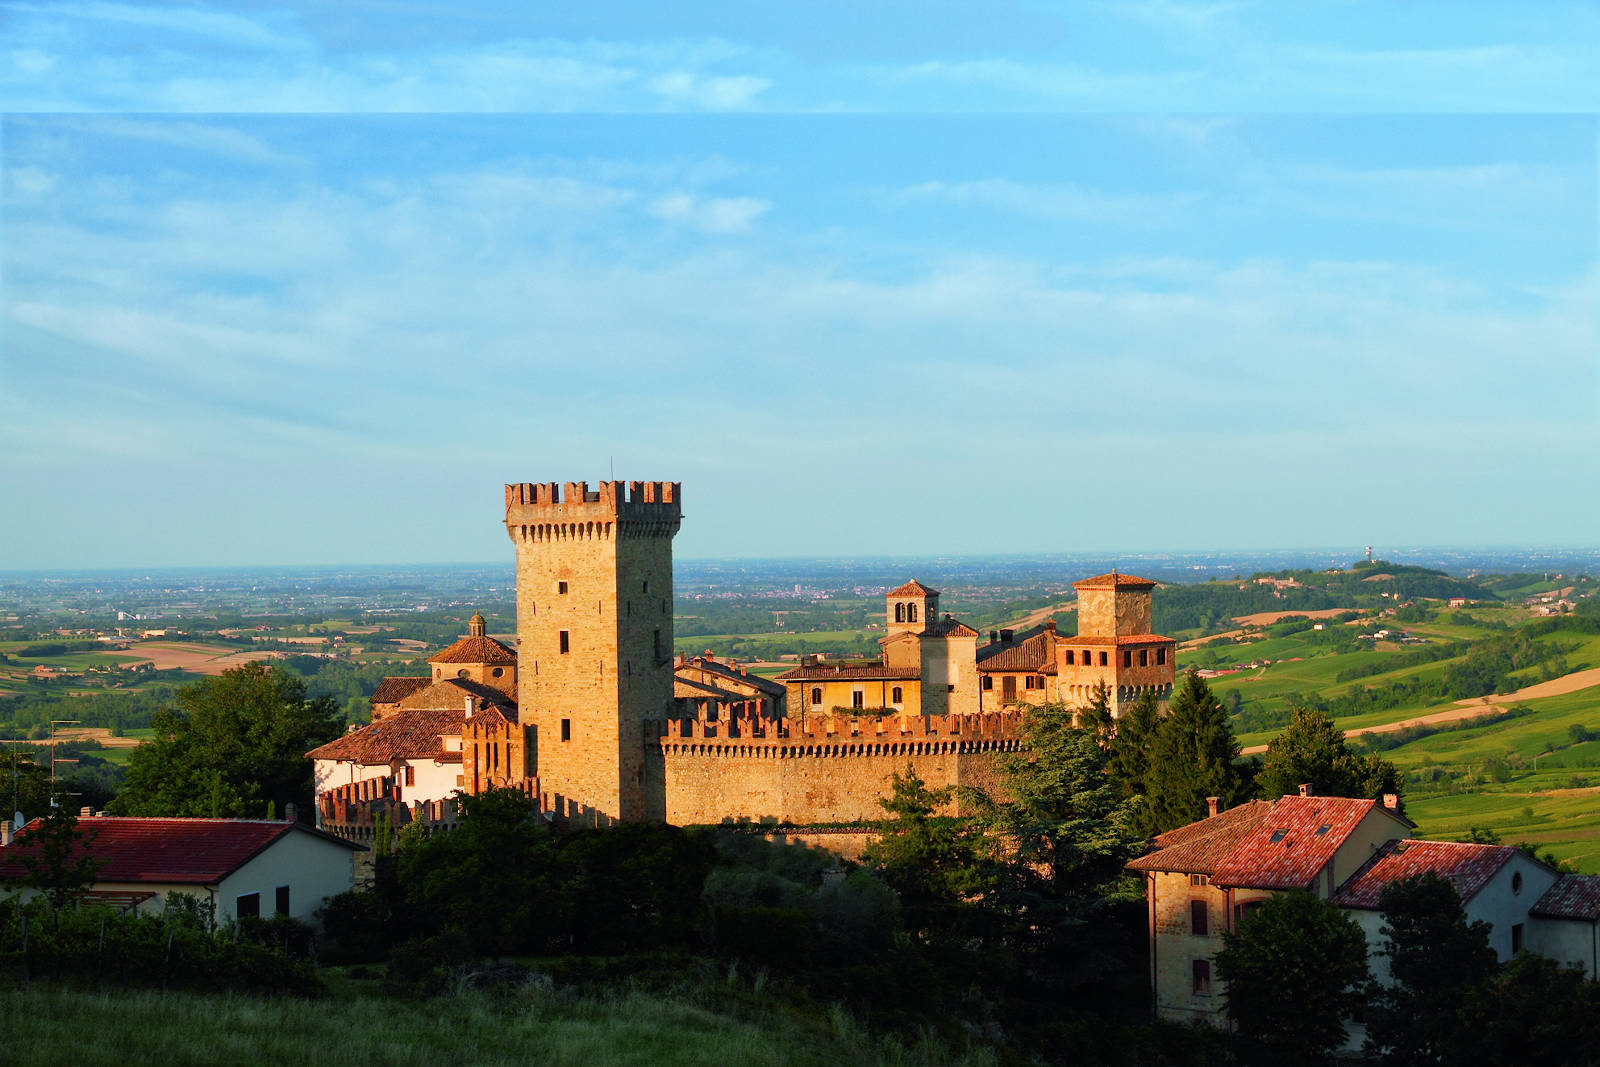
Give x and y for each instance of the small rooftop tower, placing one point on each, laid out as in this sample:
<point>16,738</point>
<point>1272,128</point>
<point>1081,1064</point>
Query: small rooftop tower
<point>910,608</point>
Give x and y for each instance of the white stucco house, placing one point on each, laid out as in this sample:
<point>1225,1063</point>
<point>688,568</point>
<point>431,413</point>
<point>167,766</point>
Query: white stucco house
<point>240,866</point>
<point>1203,878</point>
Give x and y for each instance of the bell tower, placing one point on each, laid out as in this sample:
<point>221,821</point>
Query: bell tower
<point>594,622</point>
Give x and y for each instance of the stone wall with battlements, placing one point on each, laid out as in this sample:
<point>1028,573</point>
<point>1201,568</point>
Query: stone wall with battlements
<point>822,769</point>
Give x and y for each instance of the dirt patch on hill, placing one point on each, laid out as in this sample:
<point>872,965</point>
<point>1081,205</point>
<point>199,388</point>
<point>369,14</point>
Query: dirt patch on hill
<point>196,659</point>
<point>1267,618</point>
<point>1468,710</point>
<point>92,733</point>
<point>1195,642</point>
<point>1034,618</point>
<point>1555,687</point>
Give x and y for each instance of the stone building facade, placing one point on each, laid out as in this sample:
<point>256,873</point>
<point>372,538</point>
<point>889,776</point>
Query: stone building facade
<point>592,714</point>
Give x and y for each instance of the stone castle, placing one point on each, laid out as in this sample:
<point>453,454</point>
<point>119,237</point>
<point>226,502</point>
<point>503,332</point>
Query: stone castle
<point>593,714</point>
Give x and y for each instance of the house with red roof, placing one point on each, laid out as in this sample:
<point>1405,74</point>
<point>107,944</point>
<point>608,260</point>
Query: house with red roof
<point>240,867</point>
<point>1202,879</point>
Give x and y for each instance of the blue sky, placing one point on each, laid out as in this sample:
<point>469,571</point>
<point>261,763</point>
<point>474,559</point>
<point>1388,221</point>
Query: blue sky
<point>307,283</point>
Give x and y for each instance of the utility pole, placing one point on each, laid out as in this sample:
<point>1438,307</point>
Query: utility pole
<point>54,723</point>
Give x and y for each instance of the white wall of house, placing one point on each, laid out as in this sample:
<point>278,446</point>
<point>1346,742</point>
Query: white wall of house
<point>1504,901</point>
<point>329,774</point>
<point>1573,942</point>
<point>433,781</point>
<point>313,868</point>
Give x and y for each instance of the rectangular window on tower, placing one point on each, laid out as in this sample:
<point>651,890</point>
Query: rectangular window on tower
<point>566,729</point>
<point>1127,659</point>
<point>1144,657</point>
<point>858,699</point>
<point>561,587</point>
<point>658,645</point>
<point>1103,660</point>
<point>566,641</point>
<point>1161,657</point>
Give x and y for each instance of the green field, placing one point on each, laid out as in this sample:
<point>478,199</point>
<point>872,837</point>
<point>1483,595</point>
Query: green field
<point>715,1025</point>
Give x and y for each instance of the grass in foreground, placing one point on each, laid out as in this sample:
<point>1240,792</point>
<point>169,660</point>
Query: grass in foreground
<point>57,1026</point>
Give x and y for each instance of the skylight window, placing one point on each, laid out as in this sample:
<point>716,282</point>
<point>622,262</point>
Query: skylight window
<point>1278,835</point>
<point>1324,828</point>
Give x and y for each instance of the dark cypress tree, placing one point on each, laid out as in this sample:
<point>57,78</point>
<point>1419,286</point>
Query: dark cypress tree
<point>1130,745</point>
<point>1192,757</point>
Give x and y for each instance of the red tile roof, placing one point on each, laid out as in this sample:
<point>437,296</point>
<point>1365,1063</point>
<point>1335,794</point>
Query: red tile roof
<point>182,851</point>
<point>449,693</point>
<point>416,733</point>
<point>1200,846</point>
<point>1028,651</point>
<point>1114,581</point>
<point>949,628</point>
<point>859,672</point>
<point>476,650</point>
<point>1119,639</point>
<point>1288,848</point>
<point>1574,896</point>
<point>391,690</point>
<point>913,588</point>
<point>733,674</point>
<point>1468,867</point>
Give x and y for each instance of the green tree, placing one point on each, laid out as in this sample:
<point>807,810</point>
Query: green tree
<point>1096,715</point>
<point>1191,758</point>
<point>1295,970</point>
<point>1129,761</point>
<point>54,855</point>
<point>1534,1011</point>
<point>934,862</point>
<point>1060,833</point>
<point>1435,959</point>
<point>231,745</point>
<point>1312,750</point>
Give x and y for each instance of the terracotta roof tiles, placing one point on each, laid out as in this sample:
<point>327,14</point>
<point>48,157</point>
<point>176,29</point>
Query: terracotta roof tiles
<point>407,734</point>
<point>476,650</point>
<point>1114,580</point>
<point>1466,866</point>
<point>180,851</point>
<point>1574,896</point>
<point>913,588</point>
<point>861,672</point>
<point>949,628</point>
<point>1029,651</point>
<point>1296,839</point>
<point>391,690</point>
<point>1199,847</point>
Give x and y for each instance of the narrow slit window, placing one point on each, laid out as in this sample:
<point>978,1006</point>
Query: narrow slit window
<point>566,641</point>
<point>566,729</point>
<point>561,588</point>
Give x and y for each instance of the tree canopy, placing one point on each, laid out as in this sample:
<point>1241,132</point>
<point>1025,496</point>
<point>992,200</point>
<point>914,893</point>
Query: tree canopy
<point>1435,958</point>
<point>1192,756</point>
<point>232,746</point>
<point>1312,750</point>
<point>1295,970</point>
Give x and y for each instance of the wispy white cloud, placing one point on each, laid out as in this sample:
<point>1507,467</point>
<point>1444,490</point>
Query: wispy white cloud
<point>713,214</point>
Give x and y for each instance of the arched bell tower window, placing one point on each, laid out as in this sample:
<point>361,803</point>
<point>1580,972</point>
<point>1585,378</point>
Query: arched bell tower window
<point>911,613</point>
<point>899,613</point>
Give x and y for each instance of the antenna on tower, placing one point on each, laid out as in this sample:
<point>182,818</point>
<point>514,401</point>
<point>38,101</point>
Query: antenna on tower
<point>1369,553</point>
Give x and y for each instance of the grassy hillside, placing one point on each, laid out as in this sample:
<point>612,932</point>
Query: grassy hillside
<point>78,1029</point>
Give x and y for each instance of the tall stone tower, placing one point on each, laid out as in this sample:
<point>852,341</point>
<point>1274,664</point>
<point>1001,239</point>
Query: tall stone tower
<point>594,622</point>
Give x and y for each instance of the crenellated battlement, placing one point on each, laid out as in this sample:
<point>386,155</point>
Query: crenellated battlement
<point>548,511</point>
<point>761,729</point>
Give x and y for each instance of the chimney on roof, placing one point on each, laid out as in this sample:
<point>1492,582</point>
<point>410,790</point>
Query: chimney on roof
<point>469,706</point>
<point>1006,636</point>
<point>994,637</point>
<point>5,832</point>
<point>1050,624</point>
<point>290,812</point>
<point>1213,805</point>
<point>1391,801</point>
<point>1306,790</point>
